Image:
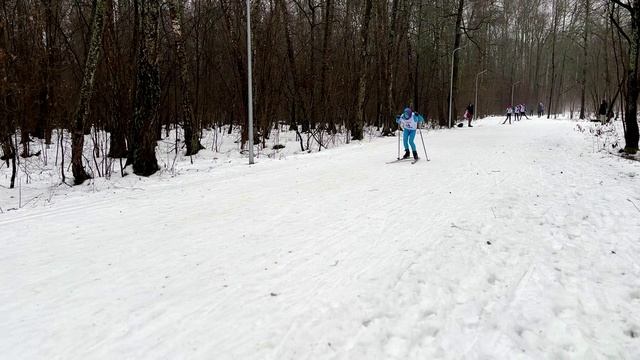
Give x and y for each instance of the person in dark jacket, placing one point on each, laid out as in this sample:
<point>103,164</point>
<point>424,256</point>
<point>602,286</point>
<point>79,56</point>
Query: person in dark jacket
<point>540,109</point>
<point>602,112</point>
<point>509,111</point>
<point>468,114</point>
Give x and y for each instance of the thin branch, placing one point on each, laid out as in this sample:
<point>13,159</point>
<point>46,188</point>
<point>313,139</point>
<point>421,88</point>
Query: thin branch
<point>620,30</point>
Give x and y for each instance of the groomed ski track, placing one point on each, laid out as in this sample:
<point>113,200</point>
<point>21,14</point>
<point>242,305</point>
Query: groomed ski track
<point>513,242</point>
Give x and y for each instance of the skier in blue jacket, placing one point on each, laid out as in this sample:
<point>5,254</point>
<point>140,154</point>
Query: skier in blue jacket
<point>408,121</point>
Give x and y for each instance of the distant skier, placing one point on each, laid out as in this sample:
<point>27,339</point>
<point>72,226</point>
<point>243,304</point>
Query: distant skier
<point>523,111</point>
<point>468,114</point>
<point>540,110</point>
<point>509,110</point>
<point>408,121</point>
<point>602,112</point>
<point>516,112</point>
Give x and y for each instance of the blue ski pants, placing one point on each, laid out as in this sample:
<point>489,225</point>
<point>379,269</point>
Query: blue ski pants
<point>408,136</point>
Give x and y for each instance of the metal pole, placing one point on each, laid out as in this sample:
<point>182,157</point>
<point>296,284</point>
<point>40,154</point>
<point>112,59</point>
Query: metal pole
<point>453,55</point>
<point>250,82</point>
<point>475,116</point>
<point>512,87</point>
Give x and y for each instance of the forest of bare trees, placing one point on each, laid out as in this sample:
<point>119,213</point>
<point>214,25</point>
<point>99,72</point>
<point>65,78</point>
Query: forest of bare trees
<point>133,67</point>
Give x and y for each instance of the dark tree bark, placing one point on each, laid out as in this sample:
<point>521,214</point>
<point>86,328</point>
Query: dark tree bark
<point>6,143</point>
<point>585,54</point>
<point>47,94</point>
<point>291,60</point>
<point>86,91</point>
<point>631,111</point>
<point>631,104</point>
<point>145,118</point>
<point>553,58</point>
<point>358,128</point>
<point>456,59</point>
<point>191,126</point>
<point>391,59</point>
<point>328,26</point>
<point>120,105</point>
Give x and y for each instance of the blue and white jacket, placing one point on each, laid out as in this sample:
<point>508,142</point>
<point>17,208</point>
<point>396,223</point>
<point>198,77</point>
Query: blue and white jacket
<point>410,123</point>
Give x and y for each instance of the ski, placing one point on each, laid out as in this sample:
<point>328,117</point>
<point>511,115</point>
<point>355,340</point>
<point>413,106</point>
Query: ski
<point>398,161</point>
<point>413,161</point>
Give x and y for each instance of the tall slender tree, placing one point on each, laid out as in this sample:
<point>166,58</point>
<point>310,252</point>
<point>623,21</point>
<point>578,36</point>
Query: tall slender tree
<point>86,91</point>
<point>358,129</point>
<point>191,137</point>
<point>147,100</point>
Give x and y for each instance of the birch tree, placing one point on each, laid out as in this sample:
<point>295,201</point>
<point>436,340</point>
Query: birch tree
<point>86,91</point>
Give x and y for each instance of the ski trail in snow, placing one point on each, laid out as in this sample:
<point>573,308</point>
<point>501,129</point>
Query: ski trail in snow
<point>513,242</point>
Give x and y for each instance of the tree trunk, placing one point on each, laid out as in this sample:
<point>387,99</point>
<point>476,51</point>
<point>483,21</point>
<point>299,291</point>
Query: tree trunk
<point>147,99</point>
<point>631,116</point>
<point>553,58</point>
<point>13,153</point>
<point>119,106</point>
<point>585,54</point>
<point>117,144</point>
<point>358,128</point>
<point>388,113</point>
<point>86,91</point>
<point>43,125</point>
<point>416,69</point>
<point>313,92</point>
<point>9,152</point>
<point>191,126</point>
<point>296,102</point>
<point>328,16</point>
<point>456,61</point>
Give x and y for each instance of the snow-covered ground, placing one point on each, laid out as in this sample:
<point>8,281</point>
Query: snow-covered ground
<point>514,242</point>
<point>39,178</point>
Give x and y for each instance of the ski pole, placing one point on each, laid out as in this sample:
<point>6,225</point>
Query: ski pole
<point>423,146</point>
<point>398,143</point>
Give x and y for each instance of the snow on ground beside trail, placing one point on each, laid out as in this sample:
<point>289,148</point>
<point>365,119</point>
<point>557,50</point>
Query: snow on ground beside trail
<point>39,179</point>
<point>514,242</point>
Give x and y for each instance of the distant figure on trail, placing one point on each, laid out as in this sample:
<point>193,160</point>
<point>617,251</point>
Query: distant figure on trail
<point>408,121</point>
<point>602,112</point>
<point>523,111</point>
<point>516,112</point>
<point>468,114</point>
<point>509,110</point>
<point>540,110</point>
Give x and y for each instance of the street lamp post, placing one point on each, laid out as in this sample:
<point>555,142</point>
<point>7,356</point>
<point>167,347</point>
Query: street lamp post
<point>453,55</point>
<point>250,82</point>
<point>512,87</point>
<point>475,116</point>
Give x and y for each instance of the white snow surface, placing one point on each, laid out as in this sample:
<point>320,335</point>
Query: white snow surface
<point>514,242</point>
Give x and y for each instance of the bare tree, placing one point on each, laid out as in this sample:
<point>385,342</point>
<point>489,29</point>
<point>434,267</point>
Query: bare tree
<point>358,129</point>
<point>633,39</point>
<point>192,139</point>
<point>86,91</point>
<point>145,119</point>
